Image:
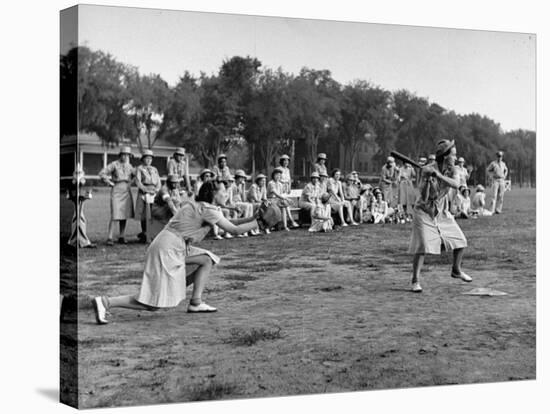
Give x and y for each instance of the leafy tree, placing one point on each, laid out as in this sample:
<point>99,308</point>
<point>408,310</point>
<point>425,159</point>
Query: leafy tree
<point>102,95</point>
<point>314,102</point>
<point>268,117</point>
<point>365,112</point>
<point>148,98</point>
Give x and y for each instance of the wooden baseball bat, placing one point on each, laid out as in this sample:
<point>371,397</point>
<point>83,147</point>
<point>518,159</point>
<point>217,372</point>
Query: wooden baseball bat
<point>404,158</point>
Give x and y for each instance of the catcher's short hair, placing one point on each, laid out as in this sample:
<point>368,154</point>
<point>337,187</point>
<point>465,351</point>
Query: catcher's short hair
<point>208,190</point>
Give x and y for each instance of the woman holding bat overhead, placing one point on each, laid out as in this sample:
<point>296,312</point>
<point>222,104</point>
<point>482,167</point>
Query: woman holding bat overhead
<point>165,276</point>
<point>433,224</point>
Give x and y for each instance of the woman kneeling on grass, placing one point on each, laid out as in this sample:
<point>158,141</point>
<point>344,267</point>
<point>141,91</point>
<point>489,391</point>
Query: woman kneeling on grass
<point>164,278</point>
<point>433,224</point>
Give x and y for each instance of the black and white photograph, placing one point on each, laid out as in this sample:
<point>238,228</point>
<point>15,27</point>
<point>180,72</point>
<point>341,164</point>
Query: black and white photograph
<point>259,207</point>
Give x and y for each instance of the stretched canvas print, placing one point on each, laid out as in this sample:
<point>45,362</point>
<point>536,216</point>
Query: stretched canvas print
<point>258,206</point>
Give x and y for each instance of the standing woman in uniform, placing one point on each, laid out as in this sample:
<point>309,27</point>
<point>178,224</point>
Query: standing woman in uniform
<point>119,175</point>
<point>165,274</point>
<point>284,162</point>
<point>407,194</point>
<point>433,224</point>
<point>179,166</point>
<point>148,184</point>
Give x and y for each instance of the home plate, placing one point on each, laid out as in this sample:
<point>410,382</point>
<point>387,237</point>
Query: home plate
<point>484,292</point>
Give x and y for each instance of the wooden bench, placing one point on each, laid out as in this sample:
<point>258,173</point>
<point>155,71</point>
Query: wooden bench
<point>294,198</point>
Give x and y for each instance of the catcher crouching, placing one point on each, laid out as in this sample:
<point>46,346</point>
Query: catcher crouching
<point>165,275</point>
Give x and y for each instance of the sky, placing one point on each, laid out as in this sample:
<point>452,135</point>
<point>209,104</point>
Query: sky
<point>491,73</point>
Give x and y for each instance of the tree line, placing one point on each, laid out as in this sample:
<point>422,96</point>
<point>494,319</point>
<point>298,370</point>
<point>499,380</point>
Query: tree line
<point>267,110</point>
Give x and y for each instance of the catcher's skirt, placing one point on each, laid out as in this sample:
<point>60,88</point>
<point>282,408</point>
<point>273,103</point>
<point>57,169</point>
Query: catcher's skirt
<point>163,284</point>
<point>428,234</point>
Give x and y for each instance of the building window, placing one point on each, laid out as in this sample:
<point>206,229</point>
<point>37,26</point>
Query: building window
<point>92,163</point>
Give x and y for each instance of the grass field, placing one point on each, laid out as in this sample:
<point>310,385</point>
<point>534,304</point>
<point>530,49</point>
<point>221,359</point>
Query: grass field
<point>304,313</point>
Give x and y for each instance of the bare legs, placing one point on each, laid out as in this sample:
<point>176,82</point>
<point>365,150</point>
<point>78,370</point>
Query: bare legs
<point>418,262</point>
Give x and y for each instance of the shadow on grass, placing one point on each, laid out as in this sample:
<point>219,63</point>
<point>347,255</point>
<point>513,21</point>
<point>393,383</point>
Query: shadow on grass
<point>242,337</point>
<point>213,391</point>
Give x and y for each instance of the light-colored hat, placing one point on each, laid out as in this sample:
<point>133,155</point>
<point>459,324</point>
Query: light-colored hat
<point>206,171</point>
<point>240,173</point>
<point>259,177</point>
<point>180,151</point>
<point>314,174</point>
<point>125,150</point>
<point>390,159</point>
<point>321,156</point>
<point>284,157</point>
<point>174,178</point>
<point>275,171</point>
<point>366,187</point>
<point>354,173</point>
<point>500,153</point>
<point>323,174</point>
<point>461,159</point>
<point>222,156</point>
<point>479,188</point>
<point>443,146</point>
<point>431,157</point>
<point>422,159</point>
<point>230,178</point>
<point>146,153</point>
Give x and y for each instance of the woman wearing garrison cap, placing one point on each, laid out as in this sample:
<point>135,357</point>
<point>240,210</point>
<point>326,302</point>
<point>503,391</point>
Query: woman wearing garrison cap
<point>119,175</point>
<point>433,223</point>
<point>320,166</point>
<point>276,195</point>
<point>148,184</point>
<point>178,165</point>
<point>311,194</point>
<point>286,180</point>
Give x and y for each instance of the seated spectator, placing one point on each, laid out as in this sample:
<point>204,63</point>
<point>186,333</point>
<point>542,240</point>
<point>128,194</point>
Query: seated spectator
<point>462,203</point>
<point>245,208</point>
<point>221,171</point>
<point>351,195</point>
<point>276,195</point>
<point>311,194</point>
<point>337,202</point>
<point>380,211</point>
<point>478,202</point>
<point>257,194</point>
<point>368,199</point>
<point>204,176</point>
<point>321,219</point>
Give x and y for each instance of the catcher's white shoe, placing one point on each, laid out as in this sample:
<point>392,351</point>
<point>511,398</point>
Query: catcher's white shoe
<point>416,287</point>
<point>463,276</point>
<point>100,311</point>
<point>203,307</point>
<point>228,236</point>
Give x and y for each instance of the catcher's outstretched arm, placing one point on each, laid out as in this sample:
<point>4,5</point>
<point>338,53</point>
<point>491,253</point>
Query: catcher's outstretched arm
<point>229,227</point>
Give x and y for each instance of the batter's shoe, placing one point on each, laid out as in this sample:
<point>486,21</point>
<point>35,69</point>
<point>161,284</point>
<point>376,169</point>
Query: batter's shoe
<point>100,311</point>
<point>416,287</point>
<point>202,308</point>
<point>463,276</point>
